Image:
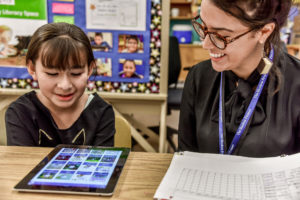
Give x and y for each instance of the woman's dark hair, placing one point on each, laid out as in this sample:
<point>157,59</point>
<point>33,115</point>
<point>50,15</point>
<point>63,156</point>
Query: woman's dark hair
<point>60,46</point>
<point>257,13</point>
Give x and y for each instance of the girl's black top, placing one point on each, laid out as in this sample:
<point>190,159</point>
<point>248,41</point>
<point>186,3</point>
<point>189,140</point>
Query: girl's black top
<point>29,123</point>
<point>274,128</point>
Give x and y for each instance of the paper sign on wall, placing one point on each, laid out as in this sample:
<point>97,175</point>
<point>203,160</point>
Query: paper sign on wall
<point>127,15</point>
<point>63,8</point>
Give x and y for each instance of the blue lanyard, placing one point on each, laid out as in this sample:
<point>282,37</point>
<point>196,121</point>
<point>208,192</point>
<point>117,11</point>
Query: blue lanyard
<point>247,115</point>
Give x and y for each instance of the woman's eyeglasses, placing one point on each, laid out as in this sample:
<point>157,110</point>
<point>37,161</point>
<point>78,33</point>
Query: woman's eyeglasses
<point>218,40</point>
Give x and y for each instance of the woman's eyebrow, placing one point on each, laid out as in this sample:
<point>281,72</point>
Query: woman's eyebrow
<point>217,28</point>
<point>222,29</point>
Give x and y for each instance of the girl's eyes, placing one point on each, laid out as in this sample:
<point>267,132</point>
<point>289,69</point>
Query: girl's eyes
<point>76,74</point>
<point>56,74</point>
<point>51,74</point>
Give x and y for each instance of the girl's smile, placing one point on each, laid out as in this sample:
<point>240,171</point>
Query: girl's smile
<point>65,97</point>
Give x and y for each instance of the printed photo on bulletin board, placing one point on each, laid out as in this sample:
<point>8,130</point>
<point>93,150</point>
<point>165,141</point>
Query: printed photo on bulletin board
<point>131,69</point>
<point>131,44</point>
<point>103,67</point>
<point>124,35</point>
<point>101,41</point>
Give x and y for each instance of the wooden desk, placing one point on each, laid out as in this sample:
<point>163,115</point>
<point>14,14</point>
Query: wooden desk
<point>140,178</point>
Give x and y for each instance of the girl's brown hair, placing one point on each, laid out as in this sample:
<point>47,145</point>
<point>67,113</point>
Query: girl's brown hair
<point>60,46</point>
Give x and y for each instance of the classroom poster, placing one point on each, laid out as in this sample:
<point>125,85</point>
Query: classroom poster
<point>18,20</point>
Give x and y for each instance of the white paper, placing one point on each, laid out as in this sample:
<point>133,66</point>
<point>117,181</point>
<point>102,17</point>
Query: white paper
<point>116,14</point>
<point>213,176</point>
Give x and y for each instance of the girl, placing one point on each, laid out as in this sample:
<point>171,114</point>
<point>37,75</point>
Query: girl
<point>219,111</point>
<point>61,60</point>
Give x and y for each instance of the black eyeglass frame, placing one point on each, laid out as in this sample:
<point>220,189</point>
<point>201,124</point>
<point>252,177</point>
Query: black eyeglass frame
<point>206,32</point>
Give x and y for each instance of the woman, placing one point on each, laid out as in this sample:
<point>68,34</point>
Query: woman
<point>215,113</point>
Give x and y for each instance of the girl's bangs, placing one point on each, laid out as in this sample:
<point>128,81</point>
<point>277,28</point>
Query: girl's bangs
<point>63,53</point>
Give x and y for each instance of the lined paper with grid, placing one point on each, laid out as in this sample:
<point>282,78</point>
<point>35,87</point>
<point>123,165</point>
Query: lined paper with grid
<point>223,185</point>
<point>216,177</point>
<point>277,185</point>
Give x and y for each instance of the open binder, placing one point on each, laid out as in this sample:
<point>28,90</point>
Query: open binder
<point>214,176</point>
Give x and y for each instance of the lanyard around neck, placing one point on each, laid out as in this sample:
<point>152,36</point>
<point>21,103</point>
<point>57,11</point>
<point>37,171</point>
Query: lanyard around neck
<point>247,115</point>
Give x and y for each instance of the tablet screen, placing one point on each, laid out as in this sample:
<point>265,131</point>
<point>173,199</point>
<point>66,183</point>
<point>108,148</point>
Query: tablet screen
<point>77,168</point>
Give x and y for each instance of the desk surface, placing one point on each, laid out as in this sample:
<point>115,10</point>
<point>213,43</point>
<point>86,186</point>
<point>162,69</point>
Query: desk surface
<point>139,180</point>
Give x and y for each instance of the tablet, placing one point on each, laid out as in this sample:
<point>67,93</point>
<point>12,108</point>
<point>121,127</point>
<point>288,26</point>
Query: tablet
<point>77,170</point>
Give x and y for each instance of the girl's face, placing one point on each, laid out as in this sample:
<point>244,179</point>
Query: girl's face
<point>241,56</point>
<point>129,69</point>
<point>60,89</point>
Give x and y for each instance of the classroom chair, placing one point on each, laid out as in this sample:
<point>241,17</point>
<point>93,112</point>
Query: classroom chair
<point>123,131</point>
<point>5,102</point>
<point>2,127</point>
<point>174,92</point>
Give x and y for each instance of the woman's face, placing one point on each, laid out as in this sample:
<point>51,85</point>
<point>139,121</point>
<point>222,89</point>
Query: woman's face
<point>240,56</point>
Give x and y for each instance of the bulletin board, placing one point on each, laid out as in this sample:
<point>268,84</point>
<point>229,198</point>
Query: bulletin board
<point>118,22</point>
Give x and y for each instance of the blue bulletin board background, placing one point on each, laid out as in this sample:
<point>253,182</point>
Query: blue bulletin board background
<point>150,57</point>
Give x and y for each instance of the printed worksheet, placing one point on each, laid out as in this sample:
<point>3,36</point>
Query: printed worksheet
<point>212,176</point>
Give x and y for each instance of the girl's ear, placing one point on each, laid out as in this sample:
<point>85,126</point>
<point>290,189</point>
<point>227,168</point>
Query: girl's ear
<point>31,70</point>
<point>265,32</point>
<point>91,68</point>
